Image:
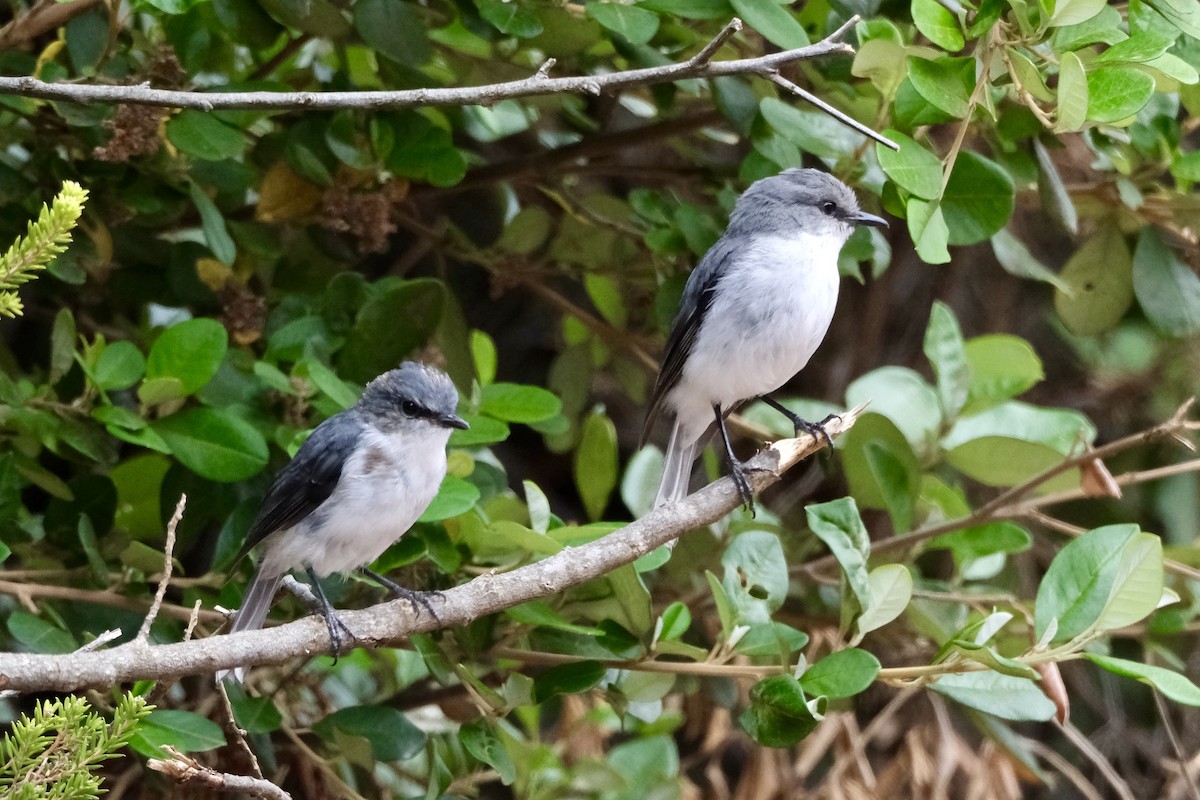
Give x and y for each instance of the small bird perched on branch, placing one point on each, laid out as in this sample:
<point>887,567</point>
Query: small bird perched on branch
<point>356,485</point>
<point>753,312</point>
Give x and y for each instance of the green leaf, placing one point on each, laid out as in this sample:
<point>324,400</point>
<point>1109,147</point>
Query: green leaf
<point>981,541</point>
<point>755,576</point>
<point>1105,27</point>
<point>676,619</point>
<point>191,352</point>
<point>874,452</point>
<point>771,639</point>
<point>1137,586</point>
<point>1017,260</point>
<point>947,354</point>
<point>62,345</point>
<point>256,714</point>
<point>1001,368</point>
<point>456,496</point>
<point>1054,196</point>
<point>946,83</point>
<point>214,443</point>
<point>692,9</point>
<point>527,231</point>
<point>927,228</point>
<point>1141,47</point>
<point>520,403</point>
<point>978,200</point>
<point>937,24</point>
<point>896,478</point>
<point>38,635</point>
<point>1072,94</point>
<point>779,714</point>
<point>205,136</point>
<point>1117,93</point>
<point>184,730</point>
<point>812,131</point>
<point>511,19</point>
<point>838,524</point>
<point>596,462</point>
<point>213,223</point>
<point>912,167</point>
<point>773,21</point>
<point>1175,686</point>
<point>891,587</point>
<point>1000,695</point>
<point>1099,283</point>
<point>1079,581</point>
<point>648,761</point>
<point>567,679</point>
<point>480,740</point>
<point>424,151</point>
<point>483,431</point>
<point>635,25</point>
<point>1014,441</point>
<point>903,396</point>
<point>1166,288</point>
<point>391,735</point>
<point>539,613</point>
<point>389,326</point>
<point>841,674</point>
<point>1073,12</point>
<point>393,28</point>
<point>119,366</point>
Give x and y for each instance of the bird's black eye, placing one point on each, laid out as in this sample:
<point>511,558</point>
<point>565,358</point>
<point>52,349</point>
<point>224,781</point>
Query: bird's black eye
<point>410,408</point>
<point>829,207</point>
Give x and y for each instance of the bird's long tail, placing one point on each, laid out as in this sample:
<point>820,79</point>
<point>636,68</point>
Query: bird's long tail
<point>255,605</point>
<point>677,468</point>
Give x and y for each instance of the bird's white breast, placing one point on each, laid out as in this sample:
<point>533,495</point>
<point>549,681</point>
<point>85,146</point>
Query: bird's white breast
<point>769,314</point>
<point>385,486</point>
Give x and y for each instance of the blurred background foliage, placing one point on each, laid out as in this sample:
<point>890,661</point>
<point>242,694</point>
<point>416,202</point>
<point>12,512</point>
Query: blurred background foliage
<point>237,275</point>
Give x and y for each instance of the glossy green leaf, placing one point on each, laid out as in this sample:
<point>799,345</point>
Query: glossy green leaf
<point>928,230</point>
<point>1167,289</point>
<point>938,25</point>
<point>1079,582</point>
<point>946,352</point>
<point>1099,283</point>
<point>204,136</point>
<point>903,396</point>
<point>755,577</point>
<point>390,326</point>
<point>945,82</point>
<point>391,736</point>
<point>837,523</point>
<point>980,541</point>
<point>891,587</point>
<point>676,619</point>
<point>596,463</point>
<point>779,714</point>
<point>1138,584</point>
<point>1001,368</point>
<point>1173,685</point>
<point>1073,12</point>
<point>424,151</point>
<point>214,443</point>
<point>480,740</point>
<point>776,24</point>
<point>393,28</point>
<point>255,714</point>
<point>874,452</point>
<point>213,223</point>
<point>1000,695</point>
<point>119,366</point>
<point>978,200</point>
<point>772,640</point>
<point>567,679</point>
<point>1072,94</point>
<point>1117,93</point>
<point>912,167</point>
<point>841,674</point>
<point>513,402</point>
<point>186,731</point>
<point>635,25</point>
<point>896,480</point>
<point>455,496</point>
<point>189,352</point>
<point>38,635</point>
<point>512,19</point>
<point>1017,260</point>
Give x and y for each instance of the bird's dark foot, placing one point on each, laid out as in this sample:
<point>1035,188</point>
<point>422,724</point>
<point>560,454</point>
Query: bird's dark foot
<point>741,479</point>
<point>338,630</point>
<point>801,425</point>
<point>414,598</point>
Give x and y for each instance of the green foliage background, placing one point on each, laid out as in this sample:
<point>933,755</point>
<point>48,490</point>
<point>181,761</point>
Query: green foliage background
<point>237,276</point>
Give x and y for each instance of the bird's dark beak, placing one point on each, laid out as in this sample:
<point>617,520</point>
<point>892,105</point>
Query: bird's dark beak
<point>453,421</point>
<point>863,218</point>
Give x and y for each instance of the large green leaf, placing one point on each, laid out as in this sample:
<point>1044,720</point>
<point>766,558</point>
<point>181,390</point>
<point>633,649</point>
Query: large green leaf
<point>779,714</point>
<point>596,463</point>
<point>634,24</point>
<point>389,326</point>
<point>912,167</point>
<point>946,82</point>
<point>1175,686</point>
<point>1003,696</point>
<point>978,200</point>
<point>214,443</point>
<point>841,674</point>
<point>189,352</point>
<point>1079,582</point>
<point>205,136</point>
<point>1117,93</point>
<point>1167,289</point>
<point>773,21</point>
<point>1098,282</point>
<point>186,731</point>
<point>392,737</point>
<point>393,28</point>
<point>938,25</point>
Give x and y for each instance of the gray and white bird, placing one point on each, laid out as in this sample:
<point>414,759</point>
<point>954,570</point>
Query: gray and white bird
<point>354,487</point>
<point>753,312</point>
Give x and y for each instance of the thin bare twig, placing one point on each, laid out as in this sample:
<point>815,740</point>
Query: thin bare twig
<point>1089,751</point>
<point>840,116</point>
<point>168,549</point>
<point>183,769</point>
<point>536,84</point>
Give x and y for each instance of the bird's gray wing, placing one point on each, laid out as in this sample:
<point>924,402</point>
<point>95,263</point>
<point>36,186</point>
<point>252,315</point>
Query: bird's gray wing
<point>697,298</point>
<point>309,478</point>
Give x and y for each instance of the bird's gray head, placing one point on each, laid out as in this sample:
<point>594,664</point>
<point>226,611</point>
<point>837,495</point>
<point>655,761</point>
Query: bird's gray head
<point>410,396</point>
<point>796,200</point>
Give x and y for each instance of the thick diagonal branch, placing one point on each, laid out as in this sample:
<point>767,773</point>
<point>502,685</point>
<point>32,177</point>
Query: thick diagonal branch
<point>387,622</point>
